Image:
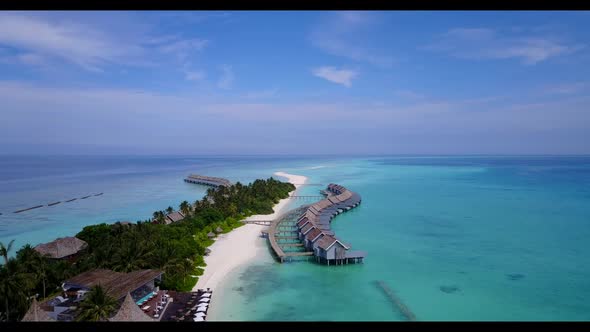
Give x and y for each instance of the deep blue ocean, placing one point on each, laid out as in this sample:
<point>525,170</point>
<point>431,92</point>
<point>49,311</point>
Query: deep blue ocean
<point>455,237</point>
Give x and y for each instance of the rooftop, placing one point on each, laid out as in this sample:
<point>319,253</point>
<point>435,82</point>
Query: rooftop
<point>61,247</point>
<point>116,284</point>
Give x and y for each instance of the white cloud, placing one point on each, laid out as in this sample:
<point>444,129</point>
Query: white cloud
<point>483,43</point>
<point>567,88</point>
<point>262,94</point>
<point>95,115</point>
<point>73,42</point>
<point>338,76</point>
<point>182,48</point>
<point>408,94</point>
<point>227,77</point>
<point>194,75</point>
<point>333,36</point>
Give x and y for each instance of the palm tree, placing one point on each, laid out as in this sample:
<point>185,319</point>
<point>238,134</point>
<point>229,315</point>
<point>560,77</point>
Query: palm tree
<point>14,286</point>
<point>169,209</point>
<point>97,306</point>
<point>5,249</point>
<point>32,262</point>
<point>185,208</point>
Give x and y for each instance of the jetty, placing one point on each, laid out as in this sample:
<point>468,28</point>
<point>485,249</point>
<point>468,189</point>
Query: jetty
<point>396,301</point>
<point>27,209</point>
<point>305,232</point>
<point>54,203</point>
<point>85,197</point>
<point>71,200</point>
<point>207,180</point>
<point>98,194</point>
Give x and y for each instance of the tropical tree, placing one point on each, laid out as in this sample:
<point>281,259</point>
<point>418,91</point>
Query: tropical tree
<point>169,209</point>
<point>4,250</point>
<point>97,306</point>
<point>14,287</point>
<point>185,208</point>
<point>33,262</point>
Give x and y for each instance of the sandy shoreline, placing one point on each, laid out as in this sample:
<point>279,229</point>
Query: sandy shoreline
<point>241,245</point>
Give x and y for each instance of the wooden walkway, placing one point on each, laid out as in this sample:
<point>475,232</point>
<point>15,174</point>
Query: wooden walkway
<point>396,301</point>
<point>277,227</point>
<point>258,222</point>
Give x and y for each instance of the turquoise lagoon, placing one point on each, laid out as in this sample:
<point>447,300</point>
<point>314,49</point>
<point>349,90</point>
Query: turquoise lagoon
<point>455,237</point>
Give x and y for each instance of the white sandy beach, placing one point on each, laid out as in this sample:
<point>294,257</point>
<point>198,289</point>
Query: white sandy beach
<point>240,245</point>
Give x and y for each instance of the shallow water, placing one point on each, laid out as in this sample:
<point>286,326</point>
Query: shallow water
<point>456,238</point>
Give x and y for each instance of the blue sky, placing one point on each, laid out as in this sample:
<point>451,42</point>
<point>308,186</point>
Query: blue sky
<point>295,82</point>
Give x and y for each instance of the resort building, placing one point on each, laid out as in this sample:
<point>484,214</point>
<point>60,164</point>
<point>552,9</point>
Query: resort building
<point>174,217</point>
<point>140,284</point>
<point>65,248</point>
<point>129,311</point>
<point>36,314</point>
<point>313,229</point>
<point>312,237</point>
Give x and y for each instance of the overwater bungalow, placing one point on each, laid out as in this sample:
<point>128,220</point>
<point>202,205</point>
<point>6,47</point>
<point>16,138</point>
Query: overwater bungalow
<point>66,248</point>
<point>304,221</point>
<point>329,249</point>
<point>311,237</point>
<point>305,230</point>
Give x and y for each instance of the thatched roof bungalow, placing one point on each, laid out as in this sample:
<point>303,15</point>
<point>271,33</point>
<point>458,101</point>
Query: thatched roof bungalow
<point>130,312</point>
<point>174,217</point>
<point>36,314</point>
<point>61,248</point>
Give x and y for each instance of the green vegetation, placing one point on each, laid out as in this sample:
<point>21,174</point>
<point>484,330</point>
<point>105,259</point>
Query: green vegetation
<point>177,249</point>
<point>97,306</point>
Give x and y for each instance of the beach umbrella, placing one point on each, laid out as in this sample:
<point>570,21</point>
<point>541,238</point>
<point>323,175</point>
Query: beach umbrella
<point>198,319</point>
<point>200,314</point>
<point>203,300</point>
<point>201,309</point>
<point>203,305</point>
<point>206,295</point>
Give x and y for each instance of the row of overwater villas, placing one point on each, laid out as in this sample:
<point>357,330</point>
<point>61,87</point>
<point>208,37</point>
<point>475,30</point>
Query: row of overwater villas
<point>314,227</point>
<point>207,180</point>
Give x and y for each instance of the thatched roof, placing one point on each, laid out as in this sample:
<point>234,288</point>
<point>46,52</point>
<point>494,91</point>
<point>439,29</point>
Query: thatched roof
<point>211,234</point>
<point>218,229</point>
<point>130,312</point>
<point>116,284</point>
<point>175,216</point>
<point>36,314</point>
<point>61,247</point>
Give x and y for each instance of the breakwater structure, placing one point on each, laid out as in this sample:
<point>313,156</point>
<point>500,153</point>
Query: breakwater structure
<point>54,203</point>
<point>397,302</point>
<point>305,232</point>
<point>207,180</point>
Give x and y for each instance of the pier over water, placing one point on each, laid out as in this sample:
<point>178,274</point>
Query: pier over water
<point>310,226</point>
<point>207,180</point>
